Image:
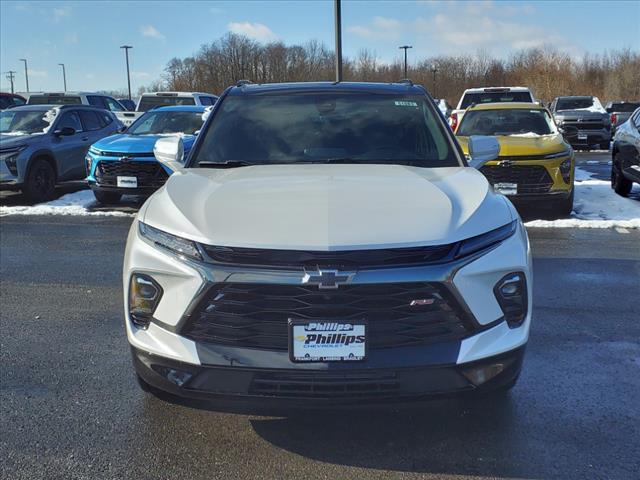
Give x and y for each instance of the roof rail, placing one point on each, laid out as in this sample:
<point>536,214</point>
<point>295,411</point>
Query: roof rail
<point>242,83</point>
<point>406,81</point>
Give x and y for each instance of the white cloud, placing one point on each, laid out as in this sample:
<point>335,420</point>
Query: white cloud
<point>38,73</point>
<point>151,31</point>
<point>140,75</point>
<point>59,13</point>
<point>257,31</point>
<point>381,28</point>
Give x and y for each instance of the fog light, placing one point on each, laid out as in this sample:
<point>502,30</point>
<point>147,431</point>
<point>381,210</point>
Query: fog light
<point>144,296</point>
<point>88,164</point>
<point>565,170</point>
<point>480,375</point>
<point>177,377</point>
<point>511,293</point>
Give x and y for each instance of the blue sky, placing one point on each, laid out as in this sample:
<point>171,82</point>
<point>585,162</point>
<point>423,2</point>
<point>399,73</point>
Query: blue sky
<point>86,35</point>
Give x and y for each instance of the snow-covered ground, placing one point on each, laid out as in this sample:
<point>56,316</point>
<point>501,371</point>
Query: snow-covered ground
<point>595,206</point>
<point>78,203</point>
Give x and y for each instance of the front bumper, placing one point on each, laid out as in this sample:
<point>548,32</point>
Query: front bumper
<point>590,137</point>
<point>8,181</point>
<point>418,367</point>
<point>145,191</point>
<point>298,388</point>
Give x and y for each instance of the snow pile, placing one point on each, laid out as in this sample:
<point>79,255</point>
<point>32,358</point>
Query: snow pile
<point>78,203</point>
<point>596,206</point>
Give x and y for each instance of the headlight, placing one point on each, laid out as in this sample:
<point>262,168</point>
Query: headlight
<point>486,240</point>
<point>177,245</point>
<point>95,151</point>
<point>564,153</point>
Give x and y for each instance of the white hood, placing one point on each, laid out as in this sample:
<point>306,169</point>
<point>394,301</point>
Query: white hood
<point>326,207</point>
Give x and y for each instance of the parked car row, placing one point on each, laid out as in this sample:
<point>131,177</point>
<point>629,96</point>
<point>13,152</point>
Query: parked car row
<point>48,140</point>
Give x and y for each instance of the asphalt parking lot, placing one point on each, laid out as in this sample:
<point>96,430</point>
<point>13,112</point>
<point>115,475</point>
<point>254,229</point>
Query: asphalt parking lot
<point>70,407</point>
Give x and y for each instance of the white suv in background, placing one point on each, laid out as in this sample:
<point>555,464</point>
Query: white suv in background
<point>488,95</point>
<point>151,100</point>
<point>99,100</point>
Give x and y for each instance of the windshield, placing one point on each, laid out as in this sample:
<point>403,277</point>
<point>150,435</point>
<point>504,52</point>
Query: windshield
<point>506,122</point>
<point>152,101</point>
<point>53,100</point>
<point>574,103</point>
<point>13,122</point>
<point>494,97</point>
<point>325,127</point>
<point>158,123</point>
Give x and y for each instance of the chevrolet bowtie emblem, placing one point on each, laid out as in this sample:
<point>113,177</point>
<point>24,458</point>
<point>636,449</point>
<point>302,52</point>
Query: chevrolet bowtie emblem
<point>327,279</point>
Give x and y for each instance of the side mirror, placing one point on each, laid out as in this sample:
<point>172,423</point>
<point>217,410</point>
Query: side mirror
<point>569,131</point>
<point>64,132</point>
<point>169,151</point>
<point>482,149</point>
<point>122,129</point>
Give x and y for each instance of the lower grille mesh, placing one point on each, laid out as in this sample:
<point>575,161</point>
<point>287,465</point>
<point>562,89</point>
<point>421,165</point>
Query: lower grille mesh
<point>256,315</point>
<point>149,174</point>
<point>530,178</point>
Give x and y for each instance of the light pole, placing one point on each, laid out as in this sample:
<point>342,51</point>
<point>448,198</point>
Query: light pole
<point>126,54</point>
<point>405,47</point>
<point>434,70</point>
<point>10,76</point>
<point>64,76</point>
<point>338,27</point>
<point>26,73</point>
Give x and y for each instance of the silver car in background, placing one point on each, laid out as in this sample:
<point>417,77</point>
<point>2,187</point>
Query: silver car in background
<point>42,145</point>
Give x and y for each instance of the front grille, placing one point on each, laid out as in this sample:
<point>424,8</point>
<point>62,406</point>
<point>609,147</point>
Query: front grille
<point>149,174</point>
<point>256,315</point>
<point>530,178</point>
<point>361,259</point>
<point>593,125</point>
<point>326,385</point>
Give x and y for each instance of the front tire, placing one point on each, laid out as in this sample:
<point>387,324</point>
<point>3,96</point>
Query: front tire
<point>621,185</point>
<point>40,183</point>
<point>107,198</point>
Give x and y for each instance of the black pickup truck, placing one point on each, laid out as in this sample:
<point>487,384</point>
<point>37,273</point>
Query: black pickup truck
<point>587,115</point>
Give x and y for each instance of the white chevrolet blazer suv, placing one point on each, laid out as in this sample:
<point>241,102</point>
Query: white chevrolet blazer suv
<point>326,243</point>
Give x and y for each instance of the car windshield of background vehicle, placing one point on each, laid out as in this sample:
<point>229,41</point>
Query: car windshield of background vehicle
<point>327,127</point>
<point>56,100</point>
<point>506,122</point>
<point>147,103</point>
<point>23,123</point>
<point>574,103</point>
<point>494,97</point>
<point>158,123</point>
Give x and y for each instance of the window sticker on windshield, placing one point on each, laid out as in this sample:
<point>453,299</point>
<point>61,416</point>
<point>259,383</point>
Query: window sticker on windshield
<point>400,103</point>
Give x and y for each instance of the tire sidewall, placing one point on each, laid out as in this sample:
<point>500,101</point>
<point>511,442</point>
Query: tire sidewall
<point>34,189</point>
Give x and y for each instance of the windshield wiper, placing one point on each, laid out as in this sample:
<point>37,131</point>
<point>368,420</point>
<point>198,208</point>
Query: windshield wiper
<point>227,164</point>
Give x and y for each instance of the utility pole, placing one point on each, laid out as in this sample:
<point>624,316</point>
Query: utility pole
<point>26,73</point>
<point>405,47</point>
<point>64,76</point>
<point>126,54</point>
<point>434,70</point>
<point>10,76</point>
<point>338,27</point>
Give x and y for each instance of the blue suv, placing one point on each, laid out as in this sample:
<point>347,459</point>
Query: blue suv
<point>124,164</point>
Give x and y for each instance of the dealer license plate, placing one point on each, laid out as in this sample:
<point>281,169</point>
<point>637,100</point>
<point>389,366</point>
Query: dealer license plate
<point>327,341</point>
<point>582,136</point>
<point>506,188</point>
<point>127,182</point>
